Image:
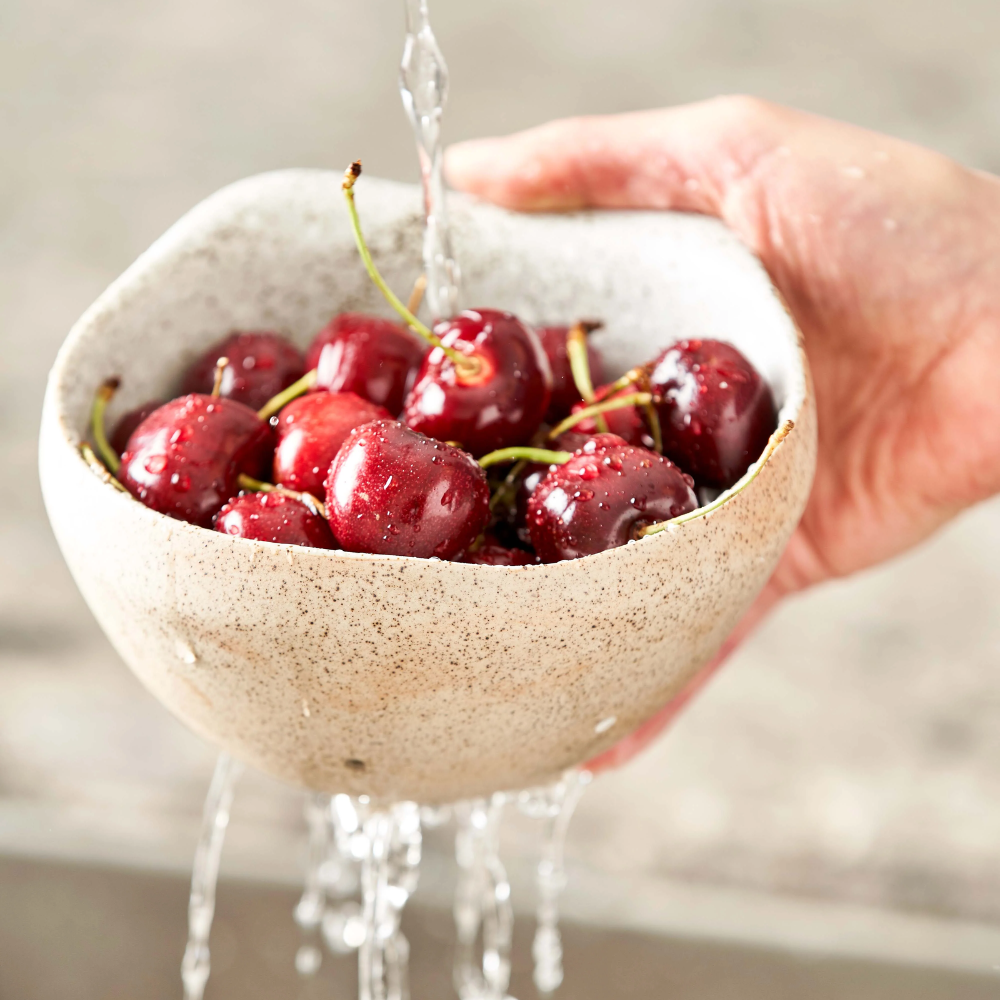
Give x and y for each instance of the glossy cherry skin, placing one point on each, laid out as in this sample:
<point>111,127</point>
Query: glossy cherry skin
<point>260,366</point>
<point>492,553</point>
<point>535,472</point>
<point>502,404</point>
<point>716,413</point>
<point>128,422</point>
<point>602,497</point>
<point>564,391</point>
<point>396,492</point>
<point>366,355</point>
<point>311,430</point>
<point>184,458</point>
<point>274,517</point>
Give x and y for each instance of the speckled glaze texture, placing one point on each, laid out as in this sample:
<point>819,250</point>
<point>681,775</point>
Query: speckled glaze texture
<point>399,677</point>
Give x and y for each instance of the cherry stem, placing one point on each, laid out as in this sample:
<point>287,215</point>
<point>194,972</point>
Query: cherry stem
<point>653,419</point>
<point>296,389</point>
<point>100,468</point>
<point>101,399</point>
<point>579,364</point>
<point>252,485</point>
<point>617,403</point>
<point>503,490</point>
<point>638,374</point>
<point>417,294</point>
<point>748,477</point>
<point>220,367</point>
<point>541,455</point>
<point>466,366</point>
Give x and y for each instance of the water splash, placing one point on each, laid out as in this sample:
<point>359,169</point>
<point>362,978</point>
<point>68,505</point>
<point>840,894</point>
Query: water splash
<point>423,84</point>
<point>482,902</point>
<point>196,965</point>
<point>555,805</point>
<point>352,844</point>
<point>389,873</point>
<point>311,908</point>
<point>343,926</point>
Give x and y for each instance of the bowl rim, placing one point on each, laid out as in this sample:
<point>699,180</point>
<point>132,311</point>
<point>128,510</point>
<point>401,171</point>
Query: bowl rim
<point>789,415</point>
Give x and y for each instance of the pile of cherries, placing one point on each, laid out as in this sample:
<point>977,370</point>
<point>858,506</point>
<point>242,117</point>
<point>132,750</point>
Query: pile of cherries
<point>481,440</point>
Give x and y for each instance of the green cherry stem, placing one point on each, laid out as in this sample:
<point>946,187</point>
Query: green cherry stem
<point>296,389</point>
<point>653,420</point>
<point>100,468</point>
<point>466,366</point>
<point>502,494</point>
<point>617,403</point>
<point>748,477</point>
<point>101,399</point>
<point>639,374</point>
<point>518,453</point>
<point>579,364</point>
<point>252,485</point>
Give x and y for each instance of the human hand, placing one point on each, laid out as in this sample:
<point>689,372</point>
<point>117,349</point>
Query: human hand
<point>888,256</point>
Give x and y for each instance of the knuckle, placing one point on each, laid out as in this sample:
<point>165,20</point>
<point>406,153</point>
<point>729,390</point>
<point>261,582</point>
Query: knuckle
<point>746,108</point>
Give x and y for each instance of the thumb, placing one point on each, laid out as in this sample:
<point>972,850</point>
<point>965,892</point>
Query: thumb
<point>695,158</point>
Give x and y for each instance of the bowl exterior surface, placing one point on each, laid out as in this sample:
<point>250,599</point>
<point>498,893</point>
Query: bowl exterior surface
<point>396,677</point>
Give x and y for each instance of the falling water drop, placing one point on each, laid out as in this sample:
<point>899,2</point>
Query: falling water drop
<point>482,900</point>
<point>555,805</point>
<point>389,873</point>
<point>196,965</point>
<point>423,84</point>
<point>312,905</point>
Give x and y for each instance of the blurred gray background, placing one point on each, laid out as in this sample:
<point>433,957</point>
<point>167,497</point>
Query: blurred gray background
<point>849,755</point>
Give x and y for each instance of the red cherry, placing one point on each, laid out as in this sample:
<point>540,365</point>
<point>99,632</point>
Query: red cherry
<point>716,413</point>
<point>184,458</point>
<point>274,517</point>
<point>626,422</point>
<point>311,430</point>
<point>602,497</point>
<point>492,553</point>
<point>396,492</point>
<point>564,390</point>
<point>498,405</point>
<point>260,366</point>
<point>128,422</point>
<point>366,355</point>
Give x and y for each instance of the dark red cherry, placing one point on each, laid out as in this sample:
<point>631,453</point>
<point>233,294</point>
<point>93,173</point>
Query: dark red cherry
<point>627,422</point>
<point>501,403</point>
<point>311,430</point>
<point>366,355</point>
<point>602,497</point>
<point>716,414</point>
<point>492,553</point>
<point>535,472</point>
<point>274,517</point>
<point>128,422</point>
<point>184,458</point>
<point>260,366</point>
<point>396,492</point>
<point>564,391</point>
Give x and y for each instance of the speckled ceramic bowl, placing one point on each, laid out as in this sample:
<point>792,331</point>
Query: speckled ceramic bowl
<point>398,677</point>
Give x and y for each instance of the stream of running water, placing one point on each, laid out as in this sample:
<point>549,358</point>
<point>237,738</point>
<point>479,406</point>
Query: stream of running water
<point>423,84</point>
<point>363,866</point>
